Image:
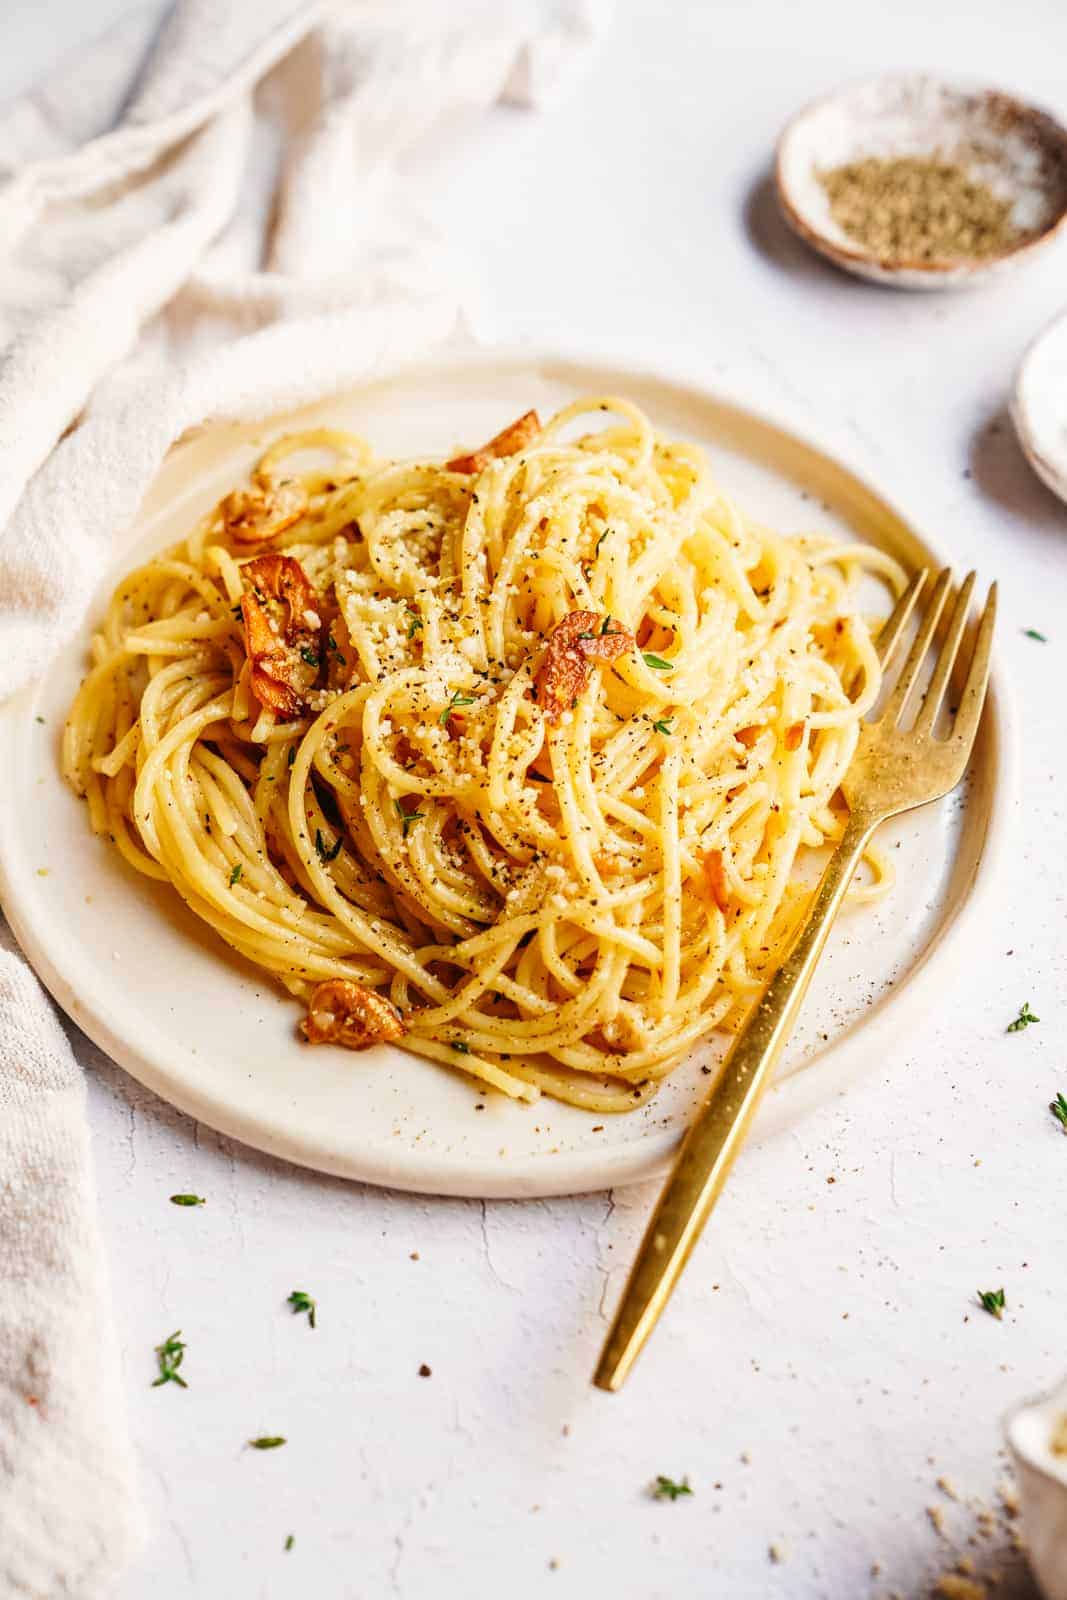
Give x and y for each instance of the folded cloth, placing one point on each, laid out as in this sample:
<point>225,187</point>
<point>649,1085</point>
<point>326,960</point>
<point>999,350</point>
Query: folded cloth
<point>68,1509</point>
<point>213,218</point>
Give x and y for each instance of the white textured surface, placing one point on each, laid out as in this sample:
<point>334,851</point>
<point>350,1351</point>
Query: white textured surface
<point>834,1349</point>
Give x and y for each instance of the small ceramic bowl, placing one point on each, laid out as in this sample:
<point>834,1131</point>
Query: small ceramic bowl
<point>1039,406</point>
<point>1042,1472</point>
<point>1018,151</point>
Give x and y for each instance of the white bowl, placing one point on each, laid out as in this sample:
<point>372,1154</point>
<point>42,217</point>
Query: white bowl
<point>1039,406</point>
<point>1042,1488</point>
<point>1018,150</point>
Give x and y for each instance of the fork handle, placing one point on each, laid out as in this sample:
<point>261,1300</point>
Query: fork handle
<point>716,1135</point>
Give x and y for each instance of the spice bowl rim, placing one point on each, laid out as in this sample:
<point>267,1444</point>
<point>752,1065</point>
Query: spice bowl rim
<point>912,273</point>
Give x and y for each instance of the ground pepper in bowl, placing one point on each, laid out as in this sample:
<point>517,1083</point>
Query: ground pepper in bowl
<point>919,208</point>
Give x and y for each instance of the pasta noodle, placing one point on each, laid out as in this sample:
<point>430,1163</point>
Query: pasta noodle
<point>515,758</point>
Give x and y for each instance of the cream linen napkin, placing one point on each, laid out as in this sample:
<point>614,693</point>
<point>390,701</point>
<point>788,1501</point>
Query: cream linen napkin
<point>215,218</point>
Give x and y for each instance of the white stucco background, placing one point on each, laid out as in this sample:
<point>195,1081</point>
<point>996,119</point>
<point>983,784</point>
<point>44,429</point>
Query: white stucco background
<point>824,1362</point>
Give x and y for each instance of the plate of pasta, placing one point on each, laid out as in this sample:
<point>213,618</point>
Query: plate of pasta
<point>444,768</point>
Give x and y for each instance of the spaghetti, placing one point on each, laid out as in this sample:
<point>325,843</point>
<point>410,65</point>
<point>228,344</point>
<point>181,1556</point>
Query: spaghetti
<point>511,758</point>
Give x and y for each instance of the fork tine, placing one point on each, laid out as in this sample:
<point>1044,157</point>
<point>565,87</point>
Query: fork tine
<point>950,646</point>
<point>973,697</point>
<point>892,629</point>
<point>920,645</point>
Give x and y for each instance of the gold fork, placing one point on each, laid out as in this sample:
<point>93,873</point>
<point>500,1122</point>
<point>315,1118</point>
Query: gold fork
<point>893,770</point>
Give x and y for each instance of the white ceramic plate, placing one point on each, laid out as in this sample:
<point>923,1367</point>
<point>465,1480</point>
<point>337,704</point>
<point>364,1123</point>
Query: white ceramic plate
<point>184,1015</point>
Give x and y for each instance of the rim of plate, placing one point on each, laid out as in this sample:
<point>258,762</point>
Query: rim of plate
<point>869,1042</point>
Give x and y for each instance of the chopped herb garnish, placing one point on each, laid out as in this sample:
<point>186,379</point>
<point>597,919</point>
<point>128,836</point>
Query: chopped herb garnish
<point>605,624</point>
<point>1032,633</point>
<point>407,817</point>
<point>331,644</point>
<point>667,1489</point>
<point>537,777</point>
<point>187,1200</point>
<point>235,874</point>
<point>600,541</point>
<point>414,625</point>
<point>992,1300</point>
<point>38,719</point>
<point>269,1441</point>
<point>322,849</point>
<point>292,755</point>
<point>237,609</point>
<point>309,655</point>
<point>1023,1020</point>
<point>170,1355</point>
<point>303,1302</point>
<point>1058,1107</point>
<point>664,726</point>
<point>657,663</point>
<point>458,699</point>
<point>464,1049</point>
<point>289,1541</point>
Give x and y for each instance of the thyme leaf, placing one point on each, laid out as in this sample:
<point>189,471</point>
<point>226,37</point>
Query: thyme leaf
<point>992,1300</point>
<point>302,1302</point>
<point>170,1355</point>
<point>667,1489</point>
<point>322,849</point>
<point>458,699</point>
<point>407,817</point>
